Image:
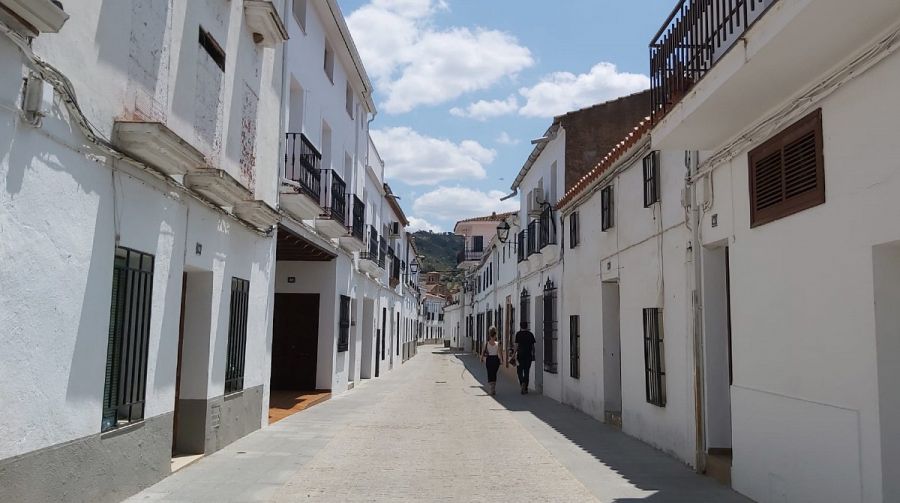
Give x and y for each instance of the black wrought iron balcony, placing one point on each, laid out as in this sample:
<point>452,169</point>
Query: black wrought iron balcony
<point>373,243</point>
<point>301,164</point>
<point>693,38</point>
<point>547,230</point>
<point>532,237</point>
<point>383,249</point>
<point>335,204</point>
<point>358,222</point>
<point>468,256</point>
<point>520,243</point>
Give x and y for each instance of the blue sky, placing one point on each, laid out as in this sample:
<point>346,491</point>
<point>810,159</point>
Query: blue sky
<point>462,86</point>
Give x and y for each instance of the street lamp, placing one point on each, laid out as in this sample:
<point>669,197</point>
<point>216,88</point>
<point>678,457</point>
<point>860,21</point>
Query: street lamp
<point>414,267</point>
<point>503,231</point>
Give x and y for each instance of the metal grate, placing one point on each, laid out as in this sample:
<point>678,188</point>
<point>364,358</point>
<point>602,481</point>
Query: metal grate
<point>550,334</point>
<point>129,334</point>
<point>654,357</point>
<point>335,204</point>
<point>237,335</point>
<point>520,243</point>
<point>524,309</point>
<point>574,347</point>
<point>358,223</point>
<point>547,228</point>
<point>532,236</point>
<point>343,343</point>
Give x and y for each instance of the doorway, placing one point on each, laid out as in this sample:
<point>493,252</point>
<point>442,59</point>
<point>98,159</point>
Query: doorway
<point>192,368</point>
<point>369,339</point>
<point>717,373</point>
<point>295,341</point>
<point>354,329</point>
<point>612,356</point>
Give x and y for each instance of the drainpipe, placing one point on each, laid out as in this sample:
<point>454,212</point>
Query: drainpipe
<point>692,163</point>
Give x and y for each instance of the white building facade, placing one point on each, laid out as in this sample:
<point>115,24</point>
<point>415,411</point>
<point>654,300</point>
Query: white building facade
<point>138,203</point>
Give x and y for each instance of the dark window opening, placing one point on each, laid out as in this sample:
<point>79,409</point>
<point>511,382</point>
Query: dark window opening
<point>654,357</point>
<point>237,335</point>
<point>651,179</point>
<point>344,325</point>
<point>606,208</point>
<point>129,335</point>
<point>573,230</point>
<point>574,347</point>
<point>550,333</point>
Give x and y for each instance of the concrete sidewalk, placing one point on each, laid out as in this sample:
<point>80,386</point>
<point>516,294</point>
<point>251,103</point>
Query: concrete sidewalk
<point>428,432</point>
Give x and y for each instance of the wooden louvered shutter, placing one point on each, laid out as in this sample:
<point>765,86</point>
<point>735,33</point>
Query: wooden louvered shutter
<point>787,172</point>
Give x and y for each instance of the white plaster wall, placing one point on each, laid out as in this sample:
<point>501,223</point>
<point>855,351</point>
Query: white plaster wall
<point>324,100</point>
<point>65,212</point>
<point>804,343</point>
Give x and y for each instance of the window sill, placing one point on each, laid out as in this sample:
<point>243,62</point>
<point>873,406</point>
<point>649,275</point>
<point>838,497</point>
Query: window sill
<point>121,430</point>
<point>233,395</point>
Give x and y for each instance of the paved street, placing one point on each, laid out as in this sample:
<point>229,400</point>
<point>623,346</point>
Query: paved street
<point>428,432</point>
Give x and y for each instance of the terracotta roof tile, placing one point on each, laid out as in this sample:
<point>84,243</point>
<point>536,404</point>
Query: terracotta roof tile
<point>494,217</point>
<point>639,131</point>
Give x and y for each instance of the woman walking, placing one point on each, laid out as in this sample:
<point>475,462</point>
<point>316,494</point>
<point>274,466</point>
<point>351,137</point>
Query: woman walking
<point>492,353</point>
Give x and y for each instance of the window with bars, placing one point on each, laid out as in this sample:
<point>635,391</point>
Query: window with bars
<point>607,216</point>
<point>654,357</point>
<point>524,312</point>
<point>651,179</point>
<point>787,172</point>
<point>237,335</point>
<point>574,347</point>
<point>128,339</point>
<point>343,343</point>
<point>573,230</point>
<point>550,333</point>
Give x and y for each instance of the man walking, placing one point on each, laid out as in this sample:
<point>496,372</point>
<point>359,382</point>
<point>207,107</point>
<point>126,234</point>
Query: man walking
<point>524,355</point>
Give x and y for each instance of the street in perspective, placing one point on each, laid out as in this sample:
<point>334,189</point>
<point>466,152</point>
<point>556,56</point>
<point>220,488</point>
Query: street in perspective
<point>448,250</point>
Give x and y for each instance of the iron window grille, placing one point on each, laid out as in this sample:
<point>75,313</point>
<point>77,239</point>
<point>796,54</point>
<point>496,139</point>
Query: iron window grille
<point>524,309</point>
<point>343,343</point>
<point>574,347</point>
<point>573,230</point>
<point>382,256</point>
<point>654,357</point>
<point>520,243</point>
<point>237,335</point>
<point>787,172</point>
<point>550,333</point>
<point>651,179</point>
<point>606,208</point>
<point>124,389</point>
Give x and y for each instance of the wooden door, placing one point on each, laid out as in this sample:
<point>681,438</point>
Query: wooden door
<point>295,341</point>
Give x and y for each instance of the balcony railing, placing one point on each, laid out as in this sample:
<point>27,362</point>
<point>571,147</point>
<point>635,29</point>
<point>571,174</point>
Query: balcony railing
<point>468,255</point>
<point>520,243</point>
<point>546,224</point>
<point>532,236</point>
<point>383,249</point>
<point>301,164</point>
<point>358,222</point>
<point>694,37</point>
<point>335,201</point>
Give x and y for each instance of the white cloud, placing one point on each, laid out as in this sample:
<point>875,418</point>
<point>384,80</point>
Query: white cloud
<point>506,139</point>
<point>561,92</point>
<point>416,159</point>
<point>420,224</point>
<point>483,110</point>
<point>414,63</point>
<point>456,203</point>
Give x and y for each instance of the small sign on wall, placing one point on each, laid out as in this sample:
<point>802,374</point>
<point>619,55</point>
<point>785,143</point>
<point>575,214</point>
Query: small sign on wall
<point>292,279</point>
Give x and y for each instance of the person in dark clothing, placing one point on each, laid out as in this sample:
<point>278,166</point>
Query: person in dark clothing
<point>524,355</point>
<point>491,353</point>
